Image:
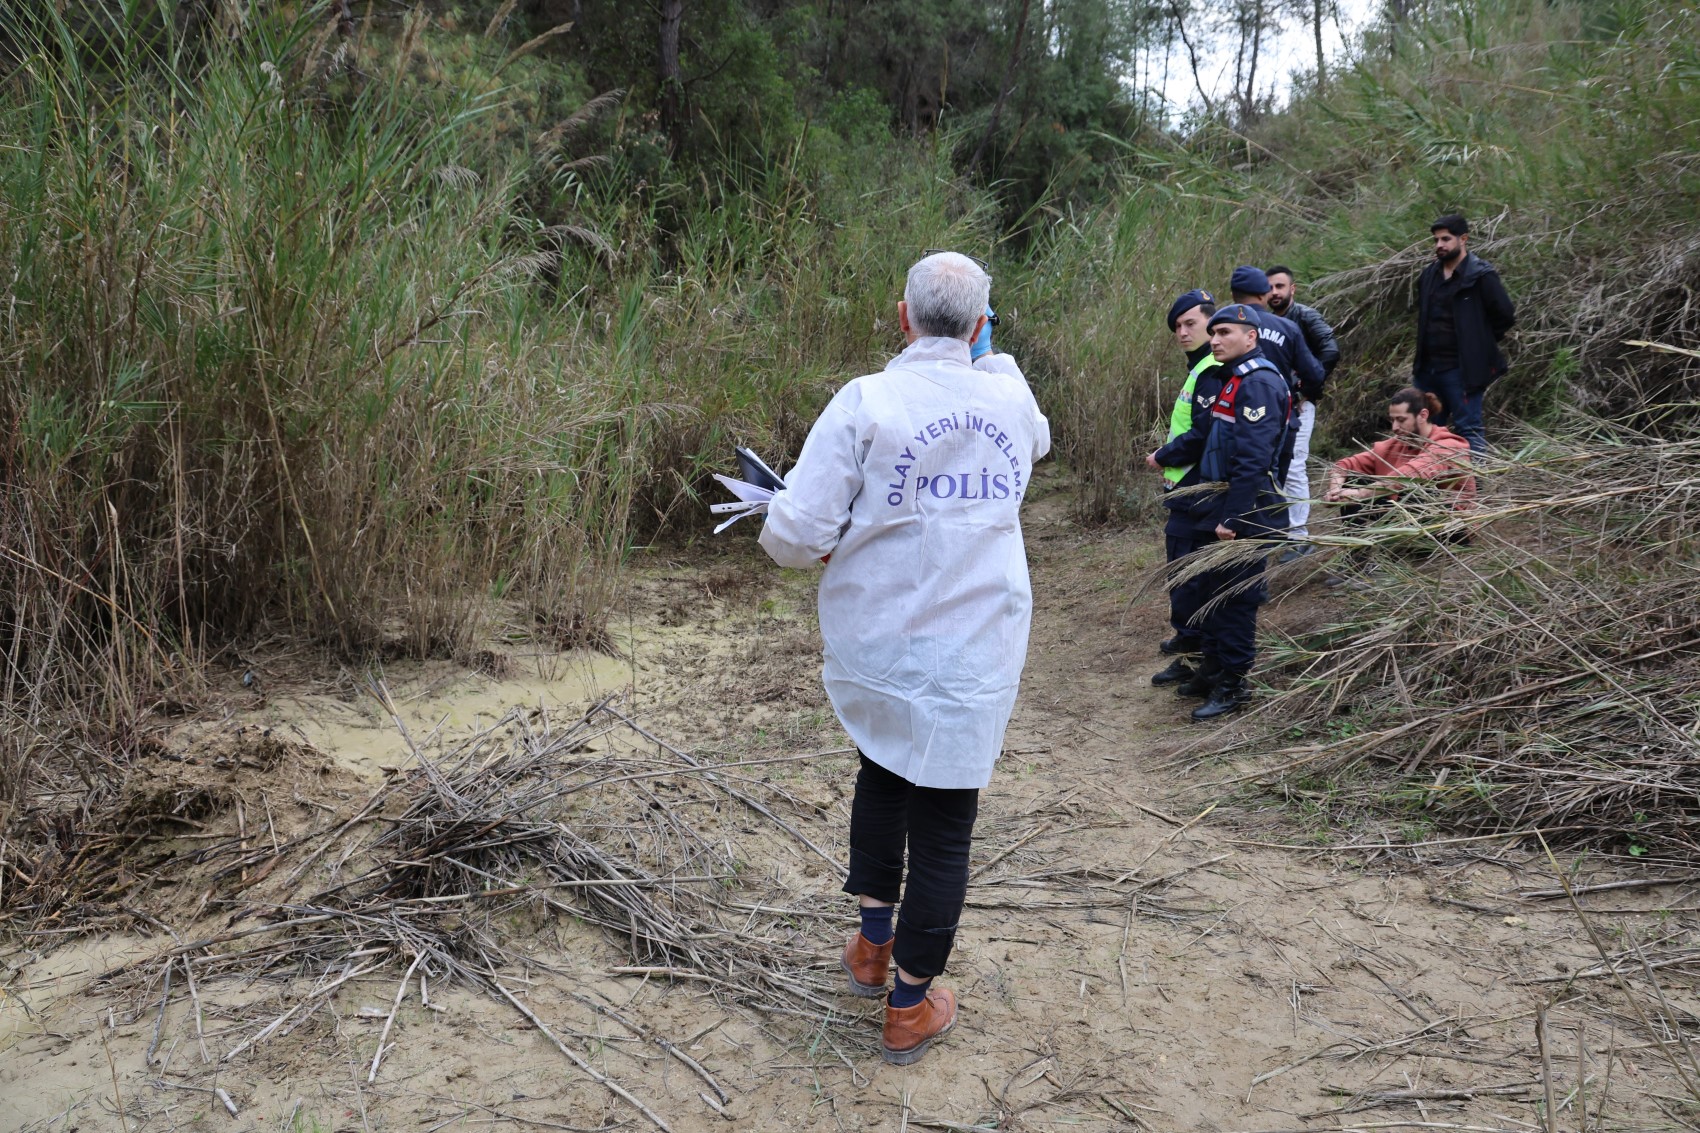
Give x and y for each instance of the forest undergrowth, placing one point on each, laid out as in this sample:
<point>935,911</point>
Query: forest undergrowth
<point>311,335</point>
<point>1563,131</point>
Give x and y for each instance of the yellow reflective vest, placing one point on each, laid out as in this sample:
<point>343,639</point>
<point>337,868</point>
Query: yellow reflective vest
<point>1180,418</point>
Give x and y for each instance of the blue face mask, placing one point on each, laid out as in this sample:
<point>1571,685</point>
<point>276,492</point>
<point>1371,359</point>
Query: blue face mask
<point>982,344</point>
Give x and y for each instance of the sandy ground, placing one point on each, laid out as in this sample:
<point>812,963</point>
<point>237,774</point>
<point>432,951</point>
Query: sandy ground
<point>1147,945</point>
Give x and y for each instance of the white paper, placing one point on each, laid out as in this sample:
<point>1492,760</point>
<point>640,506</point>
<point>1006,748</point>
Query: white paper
<point>752,500</point>
<point>749,493</point>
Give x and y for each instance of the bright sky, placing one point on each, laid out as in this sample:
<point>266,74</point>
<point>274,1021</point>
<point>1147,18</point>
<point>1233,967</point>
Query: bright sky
<point>1293,49</point>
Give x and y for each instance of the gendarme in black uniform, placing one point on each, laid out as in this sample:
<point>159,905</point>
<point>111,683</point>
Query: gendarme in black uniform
<point>1189,425</point>
<point>1250,423</point>
<point>1282,342</point>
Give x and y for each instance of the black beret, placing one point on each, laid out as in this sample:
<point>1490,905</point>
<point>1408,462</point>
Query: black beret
<point>1198,297</point>
<point>1238,313</point>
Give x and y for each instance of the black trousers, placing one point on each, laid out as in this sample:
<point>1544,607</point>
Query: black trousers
<point>1230,627</point>
<point>1183,599</point>
<point>936,825</point>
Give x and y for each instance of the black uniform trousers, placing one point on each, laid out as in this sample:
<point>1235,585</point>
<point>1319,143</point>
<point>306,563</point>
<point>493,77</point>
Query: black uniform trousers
<point>1233,595</point>
<point>1184,599</point>
<point>936,825</point>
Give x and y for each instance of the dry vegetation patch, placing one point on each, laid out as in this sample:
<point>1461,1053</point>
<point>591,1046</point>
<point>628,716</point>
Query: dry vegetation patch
<point>1544,675</point>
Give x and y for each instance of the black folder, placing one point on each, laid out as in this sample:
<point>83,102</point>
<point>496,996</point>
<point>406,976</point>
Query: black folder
<point>753,470</point>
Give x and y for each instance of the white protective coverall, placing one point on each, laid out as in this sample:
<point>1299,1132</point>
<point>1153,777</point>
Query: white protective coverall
<point>912,479</point>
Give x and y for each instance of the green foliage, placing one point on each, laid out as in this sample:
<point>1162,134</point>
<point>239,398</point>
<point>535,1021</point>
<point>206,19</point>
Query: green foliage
<point>755,75</point>
<point>740,70</point>
<point>385,336</point>
<point>1561,129</point>
<point>1074,106</point>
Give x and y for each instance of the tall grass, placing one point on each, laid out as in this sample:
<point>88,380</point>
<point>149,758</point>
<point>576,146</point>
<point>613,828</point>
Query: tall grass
<point>762,292</point>
<point>1563,129</point>
<point>339,338</point>
<point>1098,291</point>
<point>274,366</point>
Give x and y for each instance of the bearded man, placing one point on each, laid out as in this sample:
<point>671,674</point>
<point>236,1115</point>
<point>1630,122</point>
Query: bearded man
<point>1463,312</point>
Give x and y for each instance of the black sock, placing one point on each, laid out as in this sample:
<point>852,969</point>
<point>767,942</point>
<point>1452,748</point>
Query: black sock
<point>906,994</point>
<point>876,923</point>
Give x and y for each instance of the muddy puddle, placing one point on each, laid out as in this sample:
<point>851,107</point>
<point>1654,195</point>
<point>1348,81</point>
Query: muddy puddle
<point>439,704</point>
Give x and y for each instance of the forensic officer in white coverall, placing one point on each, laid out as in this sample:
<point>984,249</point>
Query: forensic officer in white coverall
<point>912,481</point>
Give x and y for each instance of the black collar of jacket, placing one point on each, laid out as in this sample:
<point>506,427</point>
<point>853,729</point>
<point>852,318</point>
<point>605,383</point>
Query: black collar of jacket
<point>1196,355</point>
<point>1472,267</point>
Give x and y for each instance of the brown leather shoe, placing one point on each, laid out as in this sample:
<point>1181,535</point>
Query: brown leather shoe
<point>867,965</point>
<point>909,1031</point>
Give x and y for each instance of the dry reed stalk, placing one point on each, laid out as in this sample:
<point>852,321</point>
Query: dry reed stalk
<point>1687,1068</point>
<point>602,1079</point>
<point>510,819</point>
<point>1545,675</point>
<point>506,821</point>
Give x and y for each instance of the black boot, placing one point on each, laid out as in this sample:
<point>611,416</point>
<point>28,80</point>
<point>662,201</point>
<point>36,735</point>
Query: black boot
<point>1202,681</point>
<point>1180,643</point>
<point>1228,696</point>
<point>1179,669</point>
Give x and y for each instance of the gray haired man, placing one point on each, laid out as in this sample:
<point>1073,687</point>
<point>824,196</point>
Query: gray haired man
<point>910,486</point>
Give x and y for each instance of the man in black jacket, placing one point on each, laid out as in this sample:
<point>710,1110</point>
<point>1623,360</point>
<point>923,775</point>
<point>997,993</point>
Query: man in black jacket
<point>1281,340</point>
<point>1319,336</point>
<point>1462,313</point>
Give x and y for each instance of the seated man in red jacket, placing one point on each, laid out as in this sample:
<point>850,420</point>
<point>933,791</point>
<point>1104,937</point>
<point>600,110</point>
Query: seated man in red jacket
<point>1419,454</point>
<point>1420,460</point>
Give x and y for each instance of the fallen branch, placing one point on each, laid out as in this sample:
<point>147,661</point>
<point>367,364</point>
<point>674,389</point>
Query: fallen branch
<point>606,1082</point>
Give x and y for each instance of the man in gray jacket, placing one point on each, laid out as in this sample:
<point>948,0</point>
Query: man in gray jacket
<point>1319,336</point>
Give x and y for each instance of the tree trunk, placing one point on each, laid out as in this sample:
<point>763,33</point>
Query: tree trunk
<point>672,89</point>
<point>1168,53</point>
<point>1250,100</point>
<point>1239,65</point>
<point>1191,57</point>
<point>1005,87</point>
<point>1316,26</point>
<point>826,45</point>
<point>1400,9</point>
<point>846,36</point>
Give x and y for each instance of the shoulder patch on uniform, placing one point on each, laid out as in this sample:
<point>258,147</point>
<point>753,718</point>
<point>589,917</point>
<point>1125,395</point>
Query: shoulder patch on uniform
<point>1255,414</point>
<point>1205,402</point>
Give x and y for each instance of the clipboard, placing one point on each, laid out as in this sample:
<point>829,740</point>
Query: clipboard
<point>755,471</point>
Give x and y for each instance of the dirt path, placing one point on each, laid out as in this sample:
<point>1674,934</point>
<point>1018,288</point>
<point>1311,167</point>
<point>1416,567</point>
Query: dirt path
<point>1127,960</point>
